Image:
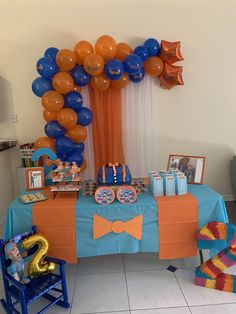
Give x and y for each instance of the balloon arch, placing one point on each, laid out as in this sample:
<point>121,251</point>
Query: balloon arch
<point>64,72</point>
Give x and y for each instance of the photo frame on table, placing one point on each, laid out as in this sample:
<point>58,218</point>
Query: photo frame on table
<point>34,178</point>
<point>191,166</point>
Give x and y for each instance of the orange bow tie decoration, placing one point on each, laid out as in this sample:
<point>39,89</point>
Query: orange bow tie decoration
<point>50,162</point>
<point>102,226</point>
<point>110,164</point>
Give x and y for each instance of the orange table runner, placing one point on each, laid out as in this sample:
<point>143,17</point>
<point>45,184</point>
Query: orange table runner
<point>177,226</point>
<point>55,218</point>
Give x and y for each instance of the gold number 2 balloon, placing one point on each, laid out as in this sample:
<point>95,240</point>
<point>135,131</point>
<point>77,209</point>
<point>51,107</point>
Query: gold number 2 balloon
<point>37,265</point>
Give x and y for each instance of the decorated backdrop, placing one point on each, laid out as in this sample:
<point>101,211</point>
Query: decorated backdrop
<point>101,72</point>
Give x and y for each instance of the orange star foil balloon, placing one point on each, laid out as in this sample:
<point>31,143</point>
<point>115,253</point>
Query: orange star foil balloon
<point>171,76</point>
<point>170,52</point>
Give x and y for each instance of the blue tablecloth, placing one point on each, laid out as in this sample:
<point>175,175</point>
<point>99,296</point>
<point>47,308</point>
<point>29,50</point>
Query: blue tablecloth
<point>211,207</point>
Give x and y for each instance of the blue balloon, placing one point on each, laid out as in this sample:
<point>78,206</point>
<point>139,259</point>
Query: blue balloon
<point>64,145</point>
<point>133,64</point>
<point>46,67</point>
<point>152,46</point>
<point>142,52</point>
<point>77,157</point>
<point>53,129</point>
<point>138,77</point>
<point>73,100</point>
<point>85,116</point>
<point>79,75</point>
<point>114,69</point>
<point>41,85</point>
<point>79,147</point>
<point>61,157</point>
<point>51,52</point>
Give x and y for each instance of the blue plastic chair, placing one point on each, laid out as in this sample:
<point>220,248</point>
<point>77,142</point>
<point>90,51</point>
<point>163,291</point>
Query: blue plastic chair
<point>18,293</point>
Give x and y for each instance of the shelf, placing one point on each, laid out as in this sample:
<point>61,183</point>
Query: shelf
<point>6,147</point>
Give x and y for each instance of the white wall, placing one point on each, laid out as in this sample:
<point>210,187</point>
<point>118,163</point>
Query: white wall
<point>198,118</point>
<point>6,185</point>
<point>7,157</point>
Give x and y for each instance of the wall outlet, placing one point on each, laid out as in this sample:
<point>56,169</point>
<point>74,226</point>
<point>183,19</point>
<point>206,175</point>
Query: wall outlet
<point>14,118</point>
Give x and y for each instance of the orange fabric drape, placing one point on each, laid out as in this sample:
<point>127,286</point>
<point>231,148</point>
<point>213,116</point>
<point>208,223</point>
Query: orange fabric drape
<point>107,126</point>
<point>177,226</point>
<point>55,218</point>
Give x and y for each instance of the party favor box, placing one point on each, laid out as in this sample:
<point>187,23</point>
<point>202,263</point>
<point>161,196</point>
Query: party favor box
<point>169,184</point>
<point>158,188</point>
<point>181,184</point>
<point>151,180</point>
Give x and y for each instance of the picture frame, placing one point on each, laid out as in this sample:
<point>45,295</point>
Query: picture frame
<point>34,178</point>
<point>191,166</point>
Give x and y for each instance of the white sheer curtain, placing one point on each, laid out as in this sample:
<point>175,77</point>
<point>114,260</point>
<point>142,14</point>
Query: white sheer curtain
<point>88,152</point>
<point>140,130</point>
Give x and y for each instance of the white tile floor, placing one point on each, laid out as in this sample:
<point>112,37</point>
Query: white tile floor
<point>138,284</point>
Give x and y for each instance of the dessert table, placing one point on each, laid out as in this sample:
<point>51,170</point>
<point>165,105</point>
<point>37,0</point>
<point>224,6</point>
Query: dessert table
<point>211,207</point>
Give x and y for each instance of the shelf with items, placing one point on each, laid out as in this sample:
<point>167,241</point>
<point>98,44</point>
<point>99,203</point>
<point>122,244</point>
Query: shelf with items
<point>65,178</point>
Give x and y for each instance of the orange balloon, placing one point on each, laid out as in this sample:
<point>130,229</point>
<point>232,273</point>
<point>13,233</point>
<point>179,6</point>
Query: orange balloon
<point>52,101</point>
<point>93,64</point>
<point>100,82</point>
<point>153,66</point>
<point>77,89</point>
<point>44,141</point>
<point>82,49</point>
<point>123,50</point>
<point>84,166</point>
<point>121,82</point>
<point>63,82</point>
<point>49,115</point>
<point>67,118</point>
<point>106,47</point>
<point>77,134</point>
<point>66,59</point>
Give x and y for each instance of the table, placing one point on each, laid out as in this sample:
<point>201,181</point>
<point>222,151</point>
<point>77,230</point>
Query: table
<point>211,207</point>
